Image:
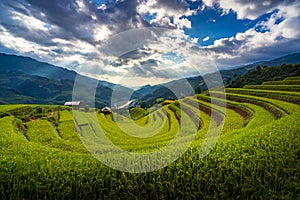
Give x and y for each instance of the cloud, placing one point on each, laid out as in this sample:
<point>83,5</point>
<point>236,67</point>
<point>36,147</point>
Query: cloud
<point>268,39</point>
<point>97,40</point>
<point>245,8</point>
<point>63,32</point>
<point>152,54</point>
<point>212,20</point>
<point>206,39</point>
<point>168,13</point>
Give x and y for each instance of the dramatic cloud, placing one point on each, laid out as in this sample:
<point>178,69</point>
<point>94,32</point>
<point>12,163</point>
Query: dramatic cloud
<point>167,13</point>
<point>155,54</point>
<point>97,39</point>
<point>245,8</point>
<point>59,31</point>
<point>268,39</point>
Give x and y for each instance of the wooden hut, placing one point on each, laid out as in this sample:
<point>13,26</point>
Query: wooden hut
<point>106,110</point>
<point>74,104</point>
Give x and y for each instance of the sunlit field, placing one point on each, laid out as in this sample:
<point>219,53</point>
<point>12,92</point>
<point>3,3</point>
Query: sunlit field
<point>256,155</point>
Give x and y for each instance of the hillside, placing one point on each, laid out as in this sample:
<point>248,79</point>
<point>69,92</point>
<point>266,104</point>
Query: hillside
<point>30,66</point>
<point>198,83</point>
<point>256,155</point>
<point>261,74</point>
<point>25,80</point>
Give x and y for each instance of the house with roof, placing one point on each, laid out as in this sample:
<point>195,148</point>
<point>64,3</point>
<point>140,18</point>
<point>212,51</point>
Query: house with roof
<point>106,110</point>
<point>74,104</point>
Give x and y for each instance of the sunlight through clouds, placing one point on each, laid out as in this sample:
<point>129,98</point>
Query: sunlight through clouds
<point>73,33</point>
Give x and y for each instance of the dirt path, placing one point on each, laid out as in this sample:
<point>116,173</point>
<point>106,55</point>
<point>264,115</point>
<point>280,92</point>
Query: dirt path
<point>51,115</point>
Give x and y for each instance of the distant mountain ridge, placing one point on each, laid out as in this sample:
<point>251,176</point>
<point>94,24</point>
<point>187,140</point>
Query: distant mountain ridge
<point>198,83</point>
<point>30,66</point>
<point>25,80</point>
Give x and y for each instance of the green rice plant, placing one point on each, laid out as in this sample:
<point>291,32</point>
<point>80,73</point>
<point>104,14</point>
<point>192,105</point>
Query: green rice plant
<point>204,118</point>
<point>232,119</point>
<point>292,78</point>
<point>193,116</point>
<point>260,116</point>
<point>258,163</point>
<point>268,105</point>
<point>67,131</point>
<point>8,131</point>
<point>147,119</point>
<point>120,138</point>
<point>279,104</point>
<point>176,110</point>
<point>285,82</point>
<point>292,97</point>
<point>243,111</point>
<point>20,127</point>
<point>65,115</point>
<point>205,107</point>
<point>24,112</point>
<point>292,88</point>
<point>43,132</point>
<point>137,113</point>
<point>5,108</point>
<point>254,160</point>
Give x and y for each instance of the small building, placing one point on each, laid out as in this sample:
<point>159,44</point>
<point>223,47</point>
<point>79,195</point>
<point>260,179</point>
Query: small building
<point>106,110</point>
<point>74,104</point>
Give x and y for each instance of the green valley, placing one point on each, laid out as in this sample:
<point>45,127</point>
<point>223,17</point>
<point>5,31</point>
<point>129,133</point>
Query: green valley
<point>256,155</point>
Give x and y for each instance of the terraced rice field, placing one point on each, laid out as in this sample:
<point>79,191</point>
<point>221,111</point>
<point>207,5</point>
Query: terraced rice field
<point>49,152</point>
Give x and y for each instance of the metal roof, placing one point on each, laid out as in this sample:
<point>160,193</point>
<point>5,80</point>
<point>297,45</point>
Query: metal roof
<point>72,103</point>
<point>106,109</point>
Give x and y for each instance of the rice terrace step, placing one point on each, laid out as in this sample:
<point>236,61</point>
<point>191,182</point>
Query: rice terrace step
<point>256,125</point>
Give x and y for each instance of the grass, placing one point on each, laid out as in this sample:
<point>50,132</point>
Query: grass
<point>216,115</point>
<point>244,111</point>
<point>292,78</point>
<point>256,156</point>
<point>273,106</point>
<point>65,115</point>
<point>44,133</point>
<point>244,164</point>
<point>5,108</point>
<point>282,106</point>
<point>292,88</point>
<point>286,82</point>
<point>292,97</point>
<point>137,113</point>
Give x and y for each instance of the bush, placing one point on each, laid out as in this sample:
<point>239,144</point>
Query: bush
<point>86,108</point>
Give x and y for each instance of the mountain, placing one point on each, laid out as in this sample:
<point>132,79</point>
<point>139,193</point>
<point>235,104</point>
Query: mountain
<point>25,80</point>
<point>289,59</point>
<point>198,83</point>
<point>262,74</point>
<point>30,66</point>
<point>145,90</point>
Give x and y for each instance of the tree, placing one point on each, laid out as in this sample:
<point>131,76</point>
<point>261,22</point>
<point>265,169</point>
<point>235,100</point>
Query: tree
<point>144,105</point>
<point>86,108</point>
<point>258,67</point>
<point>39,110</point>
<point>159,100</point>
<point>229,81</point>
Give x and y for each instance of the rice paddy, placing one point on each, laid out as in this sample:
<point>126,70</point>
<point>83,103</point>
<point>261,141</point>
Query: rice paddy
<point>49,152</point>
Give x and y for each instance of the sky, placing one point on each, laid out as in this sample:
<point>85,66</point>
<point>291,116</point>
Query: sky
<point>138,42</point>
